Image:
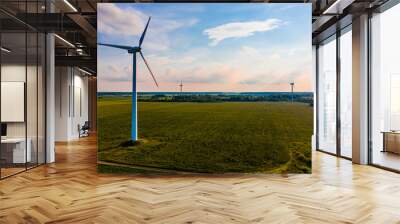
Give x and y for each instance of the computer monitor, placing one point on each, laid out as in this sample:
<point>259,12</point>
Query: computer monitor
<point>3,129</point>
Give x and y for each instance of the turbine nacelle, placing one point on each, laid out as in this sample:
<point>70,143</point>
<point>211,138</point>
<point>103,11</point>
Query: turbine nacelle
<point>134,50</point>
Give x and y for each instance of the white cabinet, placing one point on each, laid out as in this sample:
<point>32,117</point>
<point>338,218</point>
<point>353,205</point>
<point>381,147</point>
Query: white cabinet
<point>19,155</point>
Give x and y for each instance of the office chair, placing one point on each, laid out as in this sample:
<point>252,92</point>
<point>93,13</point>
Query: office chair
<point>84,130</point>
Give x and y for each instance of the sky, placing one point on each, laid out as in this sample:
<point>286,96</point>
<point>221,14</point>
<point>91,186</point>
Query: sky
<point>241,47</point>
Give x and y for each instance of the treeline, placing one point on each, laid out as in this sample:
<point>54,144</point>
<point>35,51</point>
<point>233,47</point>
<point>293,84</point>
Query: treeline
<point>301,97</point>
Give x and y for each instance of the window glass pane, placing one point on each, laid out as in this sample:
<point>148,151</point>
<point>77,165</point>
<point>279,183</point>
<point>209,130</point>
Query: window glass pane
<point>13,86</point>
<point>346,94</point>
<point>31,97</point>
<point>23,89</point>
<point>32,87</point>
<point>385,95</point>
<point>327,96</point>
<point>41,98</point>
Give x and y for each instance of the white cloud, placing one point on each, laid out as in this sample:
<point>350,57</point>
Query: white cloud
<point>254,67</point>
<point>287,7</point>
<point>248,51</point>
<point>212,74</point>
<point>240,29</point>
<point>131,22</point>
<point>126,23</point>
<point>171,60</point>
<point>249,68</point>
<point>116,21</point>
<point>115,73</point>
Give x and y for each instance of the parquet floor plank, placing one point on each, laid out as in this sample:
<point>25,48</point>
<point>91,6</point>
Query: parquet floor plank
<point>71,191</point>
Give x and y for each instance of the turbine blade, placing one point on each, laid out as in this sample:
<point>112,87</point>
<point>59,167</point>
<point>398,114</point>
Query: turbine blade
<point>148,67</point>
<point>116,46</point>
<point>144,33</point>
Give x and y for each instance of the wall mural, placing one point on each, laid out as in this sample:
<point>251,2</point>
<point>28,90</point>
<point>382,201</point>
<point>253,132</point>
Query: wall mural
<point>204,88</point>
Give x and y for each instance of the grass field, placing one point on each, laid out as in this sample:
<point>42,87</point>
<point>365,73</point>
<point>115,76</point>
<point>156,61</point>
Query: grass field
<point>208,137</point>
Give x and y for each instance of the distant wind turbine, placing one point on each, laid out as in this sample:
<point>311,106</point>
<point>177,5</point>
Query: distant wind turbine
<point>133,50</point>
<point>292,85</point>
<point>181,85</point>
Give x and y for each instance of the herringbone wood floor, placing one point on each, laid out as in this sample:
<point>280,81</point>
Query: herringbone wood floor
<point>70,191</point>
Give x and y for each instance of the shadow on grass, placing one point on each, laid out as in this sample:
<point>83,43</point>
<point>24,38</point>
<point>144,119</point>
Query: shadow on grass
<point>109,169</point>
<point>130,143</point>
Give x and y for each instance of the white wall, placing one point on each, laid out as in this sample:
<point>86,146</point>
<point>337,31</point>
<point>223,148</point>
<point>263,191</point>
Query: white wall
<point>12,73</point>
<point>13,101</point>
<point>33,126</point>
<point>62,82</point>
<point>71,87</point>
<point>80,109</point>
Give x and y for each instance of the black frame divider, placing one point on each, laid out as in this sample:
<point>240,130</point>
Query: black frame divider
<point>369,126</point>
<point>338,82</point>
<point>316,96</point>
<point>26,87</point>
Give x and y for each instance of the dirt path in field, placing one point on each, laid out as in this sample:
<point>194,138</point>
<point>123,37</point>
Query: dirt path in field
<point>157,170</point>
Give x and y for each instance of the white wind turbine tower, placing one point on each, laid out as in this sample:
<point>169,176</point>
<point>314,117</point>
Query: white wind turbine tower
<point>181,86</point>
<point>292,86</point>
<point>134,50</point>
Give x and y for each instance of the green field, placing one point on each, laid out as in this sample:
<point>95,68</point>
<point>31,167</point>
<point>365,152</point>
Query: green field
<point>208,137</point>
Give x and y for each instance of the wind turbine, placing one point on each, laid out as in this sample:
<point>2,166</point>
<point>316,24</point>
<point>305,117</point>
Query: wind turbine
<point>133,50</point>
<point>181,85</point>
<point>292,85</point>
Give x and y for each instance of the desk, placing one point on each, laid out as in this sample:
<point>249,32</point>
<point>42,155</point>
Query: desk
<point>15,148</point>
<point>391,141</point>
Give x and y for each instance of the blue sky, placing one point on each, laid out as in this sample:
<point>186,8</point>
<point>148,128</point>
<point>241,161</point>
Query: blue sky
<point>210,47</point>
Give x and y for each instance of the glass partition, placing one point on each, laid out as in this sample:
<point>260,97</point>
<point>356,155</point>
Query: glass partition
<point>346,93</point>
<point>31,98</point>
<point>13,94</point>
<point>327,95</point>
<point>22,77</point>
<point>41,97</point>
<point>385,89</point>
